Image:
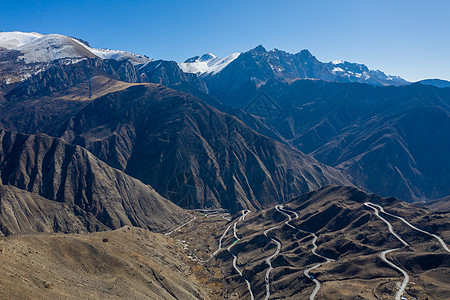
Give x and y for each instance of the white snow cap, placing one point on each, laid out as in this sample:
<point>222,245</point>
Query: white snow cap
<point>207,64</point>
<point>36,47</point>
<point>337,62</point>
<point>15,39</point>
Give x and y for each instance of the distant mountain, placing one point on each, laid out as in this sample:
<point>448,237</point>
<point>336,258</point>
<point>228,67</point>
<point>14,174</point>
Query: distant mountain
<point>38,48</point>
<point>240,76</point>
<point>31,52</point>
<point>81,192</point>
<point>26,54</point>
<point>435,82</point>
<point>156,134</point>
<point>392,140</point>
<point>207,64</point>
<point>280,65</point>
<point>360,73</point>
<point>192,153</point>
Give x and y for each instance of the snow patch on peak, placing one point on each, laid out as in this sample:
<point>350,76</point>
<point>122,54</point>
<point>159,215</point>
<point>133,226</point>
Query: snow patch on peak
<point>40,48</point>
<point>51,47</point>
<point>120,55</point>
<point>207,64</point>
<point>337,62</point>
<point>15,39</point>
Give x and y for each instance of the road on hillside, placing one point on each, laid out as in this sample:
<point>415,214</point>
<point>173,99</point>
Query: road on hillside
<point>269,260</point>
<point>242,218</point>
<point>181,226</point>
<point>401,291</point>
<point>440,240</point>
<point>285,212</point>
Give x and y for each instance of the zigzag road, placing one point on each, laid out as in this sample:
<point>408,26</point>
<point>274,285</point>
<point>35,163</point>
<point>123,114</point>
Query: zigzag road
<point>269,261</point>
<point>244,214</point>
<point>383,254</point>
<point>306,272</point>
<point>440,240</point>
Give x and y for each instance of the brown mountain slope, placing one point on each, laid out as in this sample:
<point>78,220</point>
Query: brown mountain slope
<point>128,263</point>
<point>69,174</point>
<point>22,211</point>
<point>347,232</point>
<point>192,153</point>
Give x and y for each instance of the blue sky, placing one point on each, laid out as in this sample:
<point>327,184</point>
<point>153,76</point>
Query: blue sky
<point>409,38</point>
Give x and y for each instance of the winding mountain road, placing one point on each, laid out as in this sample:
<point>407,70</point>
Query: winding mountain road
<point>285,212</point>
<point>405,275</point>
<point>269,260</point>
<point>178,228</point>
<point>401,291</point>
<point>391,229</point>
<point>221,240</point>
<point>242,218</point>
<point>440,240</point>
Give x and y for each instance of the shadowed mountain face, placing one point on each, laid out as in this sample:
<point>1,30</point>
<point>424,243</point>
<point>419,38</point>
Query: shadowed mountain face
<point>60,76</point>
<point>191,153</point>
<point>207,157</point>
<point>99,196</point>
<point>392,140</point>
<point>387,138</point>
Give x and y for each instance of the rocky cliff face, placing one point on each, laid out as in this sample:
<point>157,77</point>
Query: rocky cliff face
<point>89,188</point>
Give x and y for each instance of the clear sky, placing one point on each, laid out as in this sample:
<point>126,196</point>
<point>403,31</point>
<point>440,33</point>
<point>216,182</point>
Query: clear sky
<point>410,38</point>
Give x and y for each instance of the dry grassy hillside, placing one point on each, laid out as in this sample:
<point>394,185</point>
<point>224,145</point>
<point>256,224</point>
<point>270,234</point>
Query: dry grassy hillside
<point>128,263</point>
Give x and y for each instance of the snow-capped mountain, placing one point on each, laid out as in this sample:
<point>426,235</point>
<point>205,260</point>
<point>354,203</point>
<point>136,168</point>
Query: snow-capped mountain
<point>207,64</point>
<point>24,54</point>
<point>40,48</point>
<point>13,40</point>
<point>261,65</point>
<point>355,71</point>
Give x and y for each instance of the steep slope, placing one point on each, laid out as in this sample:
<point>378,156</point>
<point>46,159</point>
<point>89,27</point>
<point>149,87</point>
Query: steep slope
<point>90,188</point>
<point>127,263</point>
<point>191,153</point>
<point>392,140</point>
<point>22,211</point>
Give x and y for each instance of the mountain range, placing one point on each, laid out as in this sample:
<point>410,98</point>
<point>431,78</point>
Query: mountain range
<point>262,174</point>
